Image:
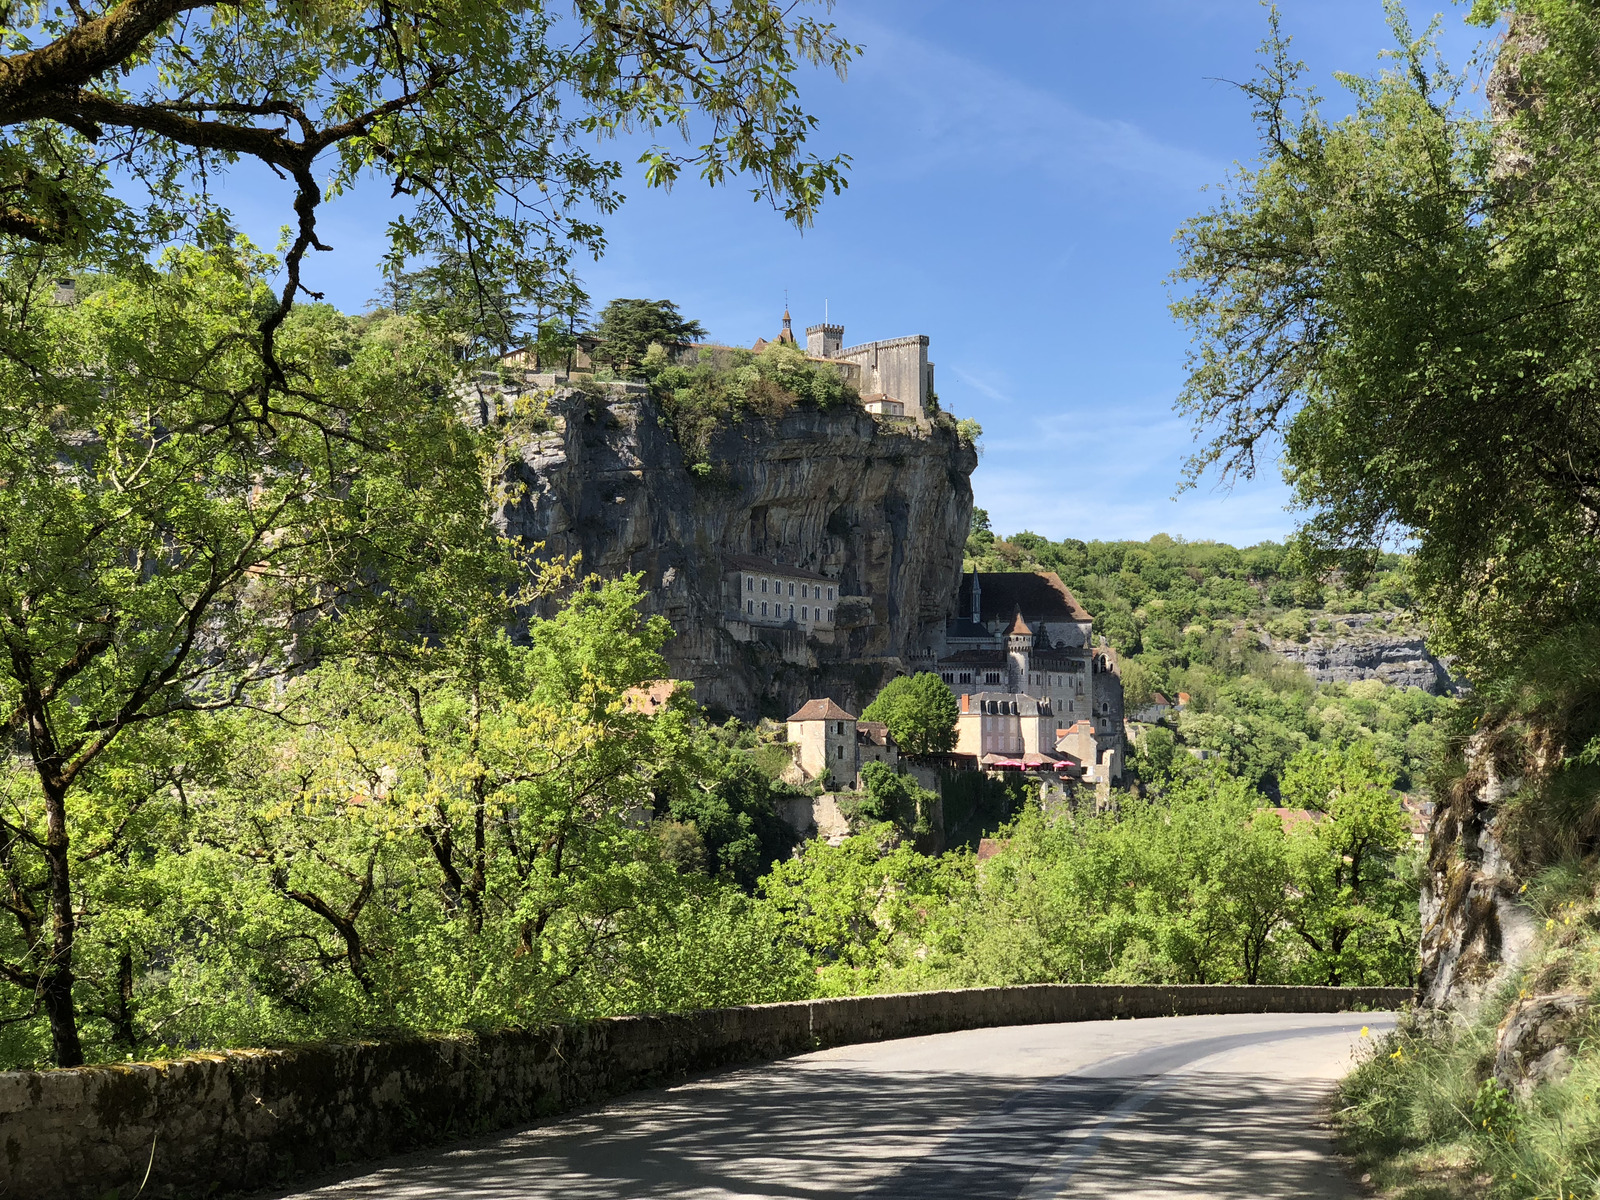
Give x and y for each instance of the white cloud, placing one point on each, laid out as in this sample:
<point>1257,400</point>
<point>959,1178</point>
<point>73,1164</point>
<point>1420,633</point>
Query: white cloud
<point>966,115</point>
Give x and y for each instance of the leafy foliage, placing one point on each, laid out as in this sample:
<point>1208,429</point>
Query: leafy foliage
<point>477,313</point>
<point>919,711</point>
<point>173,541</point>
<point>1405,298</point>
<point>726,386</point>
<point>482,114</point>
<point>1204,885</point>
<point>628,328</point>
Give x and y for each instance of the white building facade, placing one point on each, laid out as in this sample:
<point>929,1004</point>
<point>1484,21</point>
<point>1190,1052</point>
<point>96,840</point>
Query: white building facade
<point>763,592</point>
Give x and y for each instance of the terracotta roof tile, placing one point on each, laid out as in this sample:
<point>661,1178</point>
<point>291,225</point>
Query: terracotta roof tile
<point>821,710</point>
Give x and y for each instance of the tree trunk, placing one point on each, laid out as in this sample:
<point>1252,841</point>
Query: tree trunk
<point>59,1006</point>
<point>123,1022</point>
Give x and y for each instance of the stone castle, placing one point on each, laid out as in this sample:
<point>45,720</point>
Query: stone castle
<point>1018,652</point>
<point>826,560</point>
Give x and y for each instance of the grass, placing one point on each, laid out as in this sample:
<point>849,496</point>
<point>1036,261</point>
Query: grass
<point>1422,1117</point>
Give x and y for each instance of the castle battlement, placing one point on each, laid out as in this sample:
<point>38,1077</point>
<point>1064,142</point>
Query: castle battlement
<point>895,372</point>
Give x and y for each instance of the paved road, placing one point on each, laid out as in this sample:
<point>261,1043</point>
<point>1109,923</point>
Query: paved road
<point>1191,1107</point>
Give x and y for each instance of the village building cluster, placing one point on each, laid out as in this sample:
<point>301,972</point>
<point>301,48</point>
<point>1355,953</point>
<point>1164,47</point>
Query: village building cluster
<point>1034,692</point>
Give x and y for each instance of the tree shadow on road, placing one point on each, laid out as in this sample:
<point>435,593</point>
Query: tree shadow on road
<point>836,1130</point>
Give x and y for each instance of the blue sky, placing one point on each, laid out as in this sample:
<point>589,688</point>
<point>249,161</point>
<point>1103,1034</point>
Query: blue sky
<point>1019,171</point>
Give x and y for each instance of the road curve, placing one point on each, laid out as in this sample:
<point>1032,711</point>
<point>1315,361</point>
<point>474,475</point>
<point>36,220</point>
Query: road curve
<point>1185,1107</point>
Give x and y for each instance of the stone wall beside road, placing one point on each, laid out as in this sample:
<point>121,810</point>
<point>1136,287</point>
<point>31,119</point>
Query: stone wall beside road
<point>245,1119</point>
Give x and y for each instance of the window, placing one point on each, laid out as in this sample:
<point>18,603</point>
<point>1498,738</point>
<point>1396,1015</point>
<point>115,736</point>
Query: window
<point>839,728</point>
<point>841,749</point>
<point>749,583</point>
<point>763,586</point>
<point>805,613</point>
<point>966,677</point>
<point>791,589</point>
<point>830,597</point>
<point>830,593</point>
<point>791,607</point>
<point>750,607</point>
<point>763,608</point>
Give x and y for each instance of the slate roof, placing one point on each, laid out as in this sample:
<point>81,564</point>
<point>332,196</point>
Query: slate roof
<point>966,627</point>
<point>874,732</point>
<point>975,658</point>
<point>1039,594</point>
<point>821,710</point>
<point>1027,706</point>
<point>766,566</point>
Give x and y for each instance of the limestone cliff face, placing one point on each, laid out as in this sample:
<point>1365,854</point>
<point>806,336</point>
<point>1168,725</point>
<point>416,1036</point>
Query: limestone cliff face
<point>883,508</point>
<point>1399,659</point>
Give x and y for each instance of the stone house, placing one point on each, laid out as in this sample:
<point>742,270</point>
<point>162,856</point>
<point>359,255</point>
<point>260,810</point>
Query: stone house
<point>1005,725</point>
<point>1084,742</point>
<point>827,741</point>
<point>760,591</point>
<point>874,744</point>
<point>1156,711</point>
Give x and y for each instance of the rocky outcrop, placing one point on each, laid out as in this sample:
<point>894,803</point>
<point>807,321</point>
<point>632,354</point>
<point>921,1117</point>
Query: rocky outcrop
<point>1398,659</point>
<point>1474,930</point>
<point>1534,1043</point>
<point>881,507</point>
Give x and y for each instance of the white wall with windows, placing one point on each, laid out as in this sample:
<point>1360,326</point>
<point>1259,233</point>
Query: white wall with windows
<point>776,597</point>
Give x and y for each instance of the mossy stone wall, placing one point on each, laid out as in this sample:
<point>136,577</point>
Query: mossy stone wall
<point>212,1124</point>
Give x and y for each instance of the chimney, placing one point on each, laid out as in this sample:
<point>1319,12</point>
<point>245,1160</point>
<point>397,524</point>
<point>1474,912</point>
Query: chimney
<point>966,702</point>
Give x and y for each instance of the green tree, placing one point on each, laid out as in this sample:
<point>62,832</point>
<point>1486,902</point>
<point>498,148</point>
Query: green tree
<point>919,711</point>
<point>185,545</point>
<point>628,328</point>
<point>980,536</point>
<point>863,909</point>
<point>1354,910</point>
<point>477,313</point>
<point>480,114</point>
<point>731,803</point>
<point>892,797</point>
<point>1406,297</point>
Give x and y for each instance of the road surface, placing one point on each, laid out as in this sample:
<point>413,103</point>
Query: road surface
<point>1190,1107</point>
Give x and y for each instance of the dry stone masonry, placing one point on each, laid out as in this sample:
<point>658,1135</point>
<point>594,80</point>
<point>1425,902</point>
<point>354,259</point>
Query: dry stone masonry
<point>224,1123</point>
